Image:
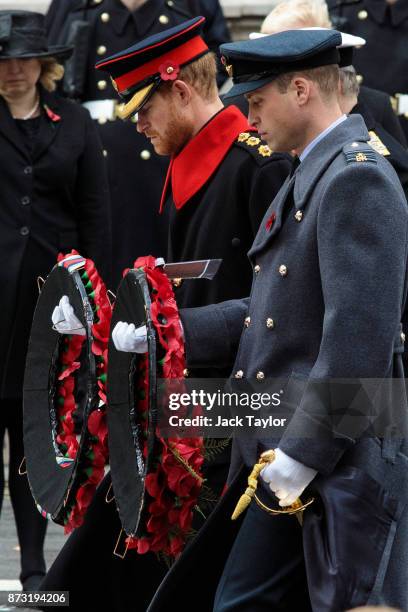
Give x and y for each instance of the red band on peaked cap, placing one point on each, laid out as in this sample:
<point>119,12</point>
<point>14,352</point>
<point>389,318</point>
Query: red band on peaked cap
<point>180,55</point>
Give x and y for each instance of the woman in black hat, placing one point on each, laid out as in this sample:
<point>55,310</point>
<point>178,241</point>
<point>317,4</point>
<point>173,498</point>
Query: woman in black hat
<point>53,198</point>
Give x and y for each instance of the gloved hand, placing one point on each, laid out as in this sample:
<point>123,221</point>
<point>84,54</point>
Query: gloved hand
<point>64,319</point>
<point>126,337</point>
<point>287,478</point>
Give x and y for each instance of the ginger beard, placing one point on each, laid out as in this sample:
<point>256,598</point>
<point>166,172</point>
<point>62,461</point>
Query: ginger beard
<point>162,121</point>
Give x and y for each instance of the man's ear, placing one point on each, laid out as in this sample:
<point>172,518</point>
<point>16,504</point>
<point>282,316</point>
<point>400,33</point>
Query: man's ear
<point>302,88</point>
<point>182,92</point>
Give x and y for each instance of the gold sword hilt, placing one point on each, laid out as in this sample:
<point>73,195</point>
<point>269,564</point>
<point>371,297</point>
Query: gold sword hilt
<point>250,492</point>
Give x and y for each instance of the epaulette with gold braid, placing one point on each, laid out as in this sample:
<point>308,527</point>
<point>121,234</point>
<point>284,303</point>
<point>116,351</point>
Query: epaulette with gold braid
<point>254,143</point>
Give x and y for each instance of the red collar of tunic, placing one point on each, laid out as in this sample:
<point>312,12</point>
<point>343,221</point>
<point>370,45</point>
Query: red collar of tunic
<point>196,163</point>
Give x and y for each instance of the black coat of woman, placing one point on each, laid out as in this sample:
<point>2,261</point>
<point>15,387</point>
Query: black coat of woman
<point>53,199</point>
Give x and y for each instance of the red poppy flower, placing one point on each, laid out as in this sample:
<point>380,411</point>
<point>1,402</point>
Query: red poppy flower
<point>169,71</point>
<point>270,221</point>
<point>51,115</point>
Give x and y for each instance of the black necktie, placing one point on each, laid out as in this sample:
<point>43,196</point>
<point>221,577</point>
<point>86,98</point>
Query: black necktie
<point>295,164</point>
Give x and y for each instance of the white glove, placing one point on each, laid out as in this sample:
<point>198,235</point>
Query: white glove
<point>129,339</point>
<point>287,478</point>
<point>64,319</point>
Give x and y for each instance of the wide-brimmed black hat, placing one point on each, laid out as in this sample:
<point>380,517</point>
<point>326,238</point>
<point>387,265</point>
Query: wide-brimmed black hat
<point>23,35</point>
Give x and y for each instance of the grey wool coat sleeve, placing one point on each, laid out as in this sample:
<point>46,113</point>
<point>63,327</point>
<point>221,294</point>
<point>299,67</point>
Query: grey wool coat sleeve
<point>212,333</point>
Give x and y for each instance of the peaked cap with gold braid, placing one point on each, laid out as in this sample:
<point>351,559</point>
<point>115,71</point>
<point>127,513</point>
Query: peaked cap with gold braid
<point>138,71</point>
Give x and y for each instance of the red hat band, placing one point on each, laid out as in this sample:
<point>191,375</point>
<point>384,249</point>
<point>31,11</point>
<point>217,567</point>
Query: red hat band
<point>183,54</point>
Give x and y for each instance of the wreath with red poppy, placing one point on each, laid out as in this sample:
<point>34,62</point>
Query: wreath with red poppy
<point>175,481</point>
<point>95,455</point>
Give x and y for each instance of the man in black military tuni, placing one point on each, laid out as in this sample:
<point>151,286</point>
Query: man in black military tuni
<point>99,28</point>
<point>221,175</point>
<point>383,63</point>
<point>221,180</point>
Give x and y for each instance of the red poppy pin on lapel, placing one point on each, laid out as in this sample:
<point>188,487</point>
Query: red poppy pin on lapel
<point>51,115</point>
<point>270,221</point>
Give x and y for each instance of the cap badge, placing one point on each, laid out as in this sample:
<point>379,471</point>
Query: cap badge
<point>228,67</point>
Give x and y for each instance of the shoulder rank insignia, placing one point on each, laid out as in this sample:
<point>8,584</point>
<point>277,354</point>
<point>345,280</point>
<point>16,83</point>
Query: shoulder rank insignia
<point>377,144</point>
<point>265,151</point>
<point>253,141</point>
<point>359,152</point>
<point>243,136</point>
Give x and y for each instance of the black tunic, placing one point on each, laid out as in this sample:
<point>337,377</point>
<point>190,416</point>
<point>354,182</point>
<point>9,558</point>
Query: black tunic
<point>221,217</point>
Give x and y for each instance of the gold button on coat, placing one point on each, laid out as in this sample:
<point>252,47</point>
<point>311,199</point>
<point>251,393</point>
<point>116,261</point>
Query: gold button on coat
<point>186,373</point>
<point>101,50</point>
<point>177,282</point>
<point>163,19</point>
<point>105,153</point>
<point>105,17</point>
<point>239,374</point>
<point>260,376</point>
<point>102,120</point>
<point>145,154</point>
<point>359,78</point>
<point>257,269</point>
<point>402,336</point>
<point>362,15</point>
<point>299,216</point>
<point>97,1</point>
<point>247,321</point>
<point>270,323</point>
<point>102,85</point>
<point>283,270</point>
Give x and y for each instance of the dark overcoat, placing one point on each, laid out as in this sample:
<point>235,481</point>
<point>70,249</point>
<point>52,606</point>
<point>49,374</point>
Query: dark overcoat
<point>136,172</point>
<point>330,272</point>
<point>54,199</point>
<point>382,62</point>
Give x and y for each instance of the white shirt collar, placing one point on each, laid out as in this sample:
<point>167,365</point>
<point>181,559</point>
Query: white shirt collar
<point>318,138</point>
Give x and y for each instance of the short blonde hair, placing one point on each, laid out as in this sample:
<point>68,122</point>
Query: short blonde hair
<point>51,72</point>
<point>295,14</point>
<point>201,75</point>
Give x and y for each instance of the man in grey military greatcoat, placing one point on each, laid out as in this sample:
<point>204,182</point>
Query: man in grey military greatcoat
<point>329,284</point>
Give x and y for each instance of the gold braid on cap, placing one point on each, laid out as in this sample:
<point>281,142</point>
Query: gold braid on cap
<point>124,111</point>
